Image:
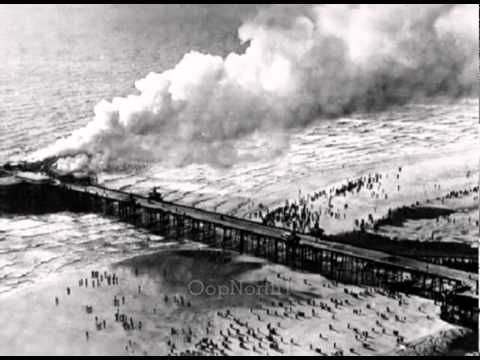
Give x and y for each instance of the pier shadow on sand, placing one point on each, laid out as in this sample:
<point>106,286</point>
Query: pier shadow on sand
<point>213,277</point>
<point>179,267</point>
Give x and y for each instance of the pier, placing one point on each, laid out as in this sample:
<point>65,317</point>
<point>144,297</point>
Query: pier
<point>337,261</point>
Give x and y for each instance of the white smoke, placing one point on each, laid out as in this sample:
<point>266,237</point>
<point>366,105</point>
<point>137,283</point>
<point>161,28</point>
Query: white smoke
<point>301,63</point>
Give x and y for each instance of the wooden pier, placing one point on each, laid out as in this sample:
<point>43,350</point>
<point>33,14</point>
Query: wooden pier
<point>337,261</point>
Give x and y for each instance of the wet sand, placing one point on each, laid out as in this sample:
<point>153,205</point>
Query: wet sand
<point>304,314</point>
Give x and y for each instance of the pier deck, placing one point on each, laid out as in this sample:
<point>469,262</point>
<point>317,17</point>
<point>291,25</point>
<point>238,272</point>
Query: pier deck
<point>226,221</point>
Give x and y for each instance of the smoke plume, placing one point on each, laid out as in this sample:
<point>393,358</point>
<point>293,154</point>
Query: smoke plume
<point>301,63</point>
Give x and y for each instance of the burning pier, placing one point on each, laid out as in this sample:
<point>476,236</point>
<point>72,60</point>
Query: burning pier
<point>27,192</point>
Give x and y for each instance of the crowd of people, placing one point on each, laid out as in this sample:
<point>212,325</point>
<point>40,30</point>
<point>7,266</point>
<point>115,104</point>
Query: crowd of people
<point>262,332</point>
<point>238,334</point>
<point>307,212</point>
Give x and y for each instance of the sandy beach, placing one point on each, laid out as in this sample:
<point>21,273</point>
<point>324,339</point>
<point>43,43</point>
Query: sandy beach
<point>183,301</point>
